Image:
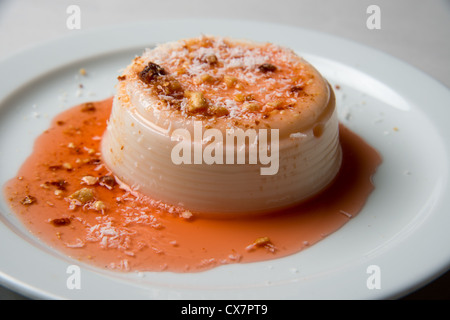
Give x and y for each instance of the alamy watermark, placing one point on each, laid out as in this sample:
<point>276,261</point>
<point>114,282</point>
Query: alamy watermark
<point>73,21</point>
<point>237,147</point>
<point>373,21</point>
<point>373,282</point>
<point>74,279</point>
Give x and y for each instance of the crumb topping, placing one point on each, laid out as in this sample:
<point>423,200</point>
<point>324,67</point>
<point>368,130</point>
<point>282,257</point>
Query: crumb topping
<point>216,77</point>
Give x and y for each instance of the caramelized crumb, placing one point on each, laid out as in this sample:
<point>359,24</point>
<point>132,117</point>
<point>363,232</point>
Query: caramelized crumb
<point>211,59</point>
<point>59,184</point>
<point>122,78</point>
<point>89,180</point>
<point>218,111</point>
<point>93,161</point>
<point>99,205</point>
<point>296,89</point>
<point>230,81</point>
<point>28,200</point>
<point>267,67</point>
<point>60,222</point>
<point>83,195</point>
<point>262,242</point>
<point>251,106</point>
<point>151,72</point>
<point>197,101</point>
<point>67,166</point>
<point>277,104</point>
<point>171,87</point>
<point>107,181</point>
<point>88,107</point>
<point>163,84</point>
<point>239,97</point>
<point>205,78</point>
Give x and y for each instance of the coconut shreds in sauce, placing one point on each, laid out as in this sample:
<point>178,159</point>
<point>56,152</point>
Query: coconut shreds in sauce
<point>69,199</point>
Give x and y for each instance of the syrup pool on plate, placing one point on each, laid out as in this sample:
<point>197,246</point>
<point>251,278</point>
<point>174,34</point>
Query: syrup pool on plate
<point>69,199</point>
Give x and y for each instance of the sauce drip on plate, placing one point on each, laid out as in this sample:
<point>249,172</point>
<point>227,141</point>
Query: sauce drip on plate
<point>69,199</point>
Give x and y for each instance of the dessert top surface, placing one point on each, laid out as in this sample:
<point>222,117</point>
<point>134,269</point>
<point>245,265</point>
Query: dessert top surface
<point>210,78</point>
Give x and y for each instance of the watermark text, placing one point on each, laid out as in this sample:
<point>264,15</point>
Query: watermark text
<point>237,147</point>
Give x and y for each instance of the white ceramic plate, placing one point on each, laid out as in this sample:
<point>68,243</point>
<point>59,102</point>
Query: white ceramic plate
<point>402,230</point>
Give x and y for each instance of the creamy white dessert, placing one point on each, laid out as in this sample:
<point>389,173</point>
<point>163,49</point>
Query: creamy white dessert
<point>221,126</point>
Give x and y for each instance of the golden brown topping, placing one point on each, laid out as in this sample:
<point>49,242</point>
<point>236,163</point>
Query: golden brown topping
<point>60,222</point>
<point>218,111</point>
<point>163,83</point>
<point>99,205</point>
<point>170,87</point>
<point>121,78</point>
<point>197,101</point>
<point>267,67</point>
<point>239,97</point>
<point>251,106</point>
<point>262,242</point>
<point>83,195</point>
<point>211,59</point>
<point>151,72</point>
<point>230,81</point>
<point>59,184</point>
<point>88,107</point>
<point>67,166</point>
<point>92,161</point>
<point>28,200</point>
<point>89,180</point>
<point>215,68</point>
<point>277,104</point>
<point>296,89</point>
<point>107,181</point>
<point>205,78</point>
